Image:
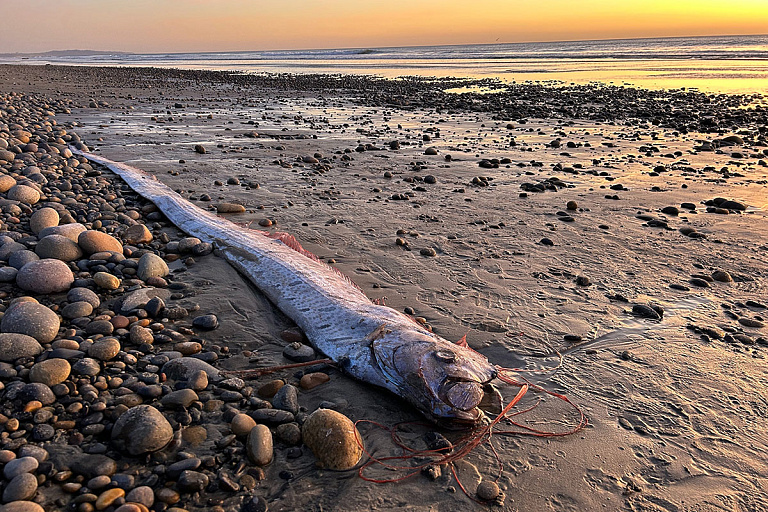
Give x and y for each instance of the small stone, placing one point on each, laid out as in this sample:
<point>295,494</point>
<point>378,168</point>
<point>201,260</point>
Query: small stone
<point>19,466</point>
<point>428,251</point>
<point>137,234</point>
<point>140,335</point>
<point>333,438</point>
<point>71,231</point>
<point>242,424</point>
<point>645,311</point>
<point>583,281</point>
<point>93,465</point>
<point>488,490</point>
<point>106,281</point>
<point>198,381</point>
<point>104,327</point>
<point>58,247</point>
<point>6,182</point>
<point>14,346</point>
<point>141,429</point>
<point>84,294</point>
<point>259,445</point>
<point>20,258</point>
<point>155,306</point>
<point>289,433</point>
<point>151,265</point>
<point>287,399</point>
<point>312,380</point>
<point>179,398</point>
<point>50,372</point>
<point>188,243</point>
<point>205,322</point>
<point>92,241</point>
<point>255,504</point>
<point>108,497</point>
<point>45,276</point>
<point>22,487</point>
<point>229,208</point>
<point>200,149</point>
<point>192,481</point>
<point>269,389</point>
<point>86,366</point>
<point>32,319</point>
<point>143,495</point>
<point>23,194</point>
<point>299,352</point>
<point>43,218</point>
<point>104,349</point>
<point>751,322</point>
<point>722,276</point>
<point>183,367</point>
<point>572,205</point>
<point>22,506</point>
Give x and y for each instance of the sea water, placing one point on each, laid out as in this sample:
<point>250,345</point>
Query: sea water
<point>729,64</point>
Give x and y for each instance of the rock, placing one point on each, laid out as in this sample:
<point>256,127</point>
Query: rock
<point>137,234</point>
<point>58,247</point>
<point>50,372</point>
<point>143,495</point>
<point>85,295</point>
<point>200,149</point>
<point>488,490</point>
<point>22,487</point>
<point>106,281</point>
<point>229,208</point>
<point>259,445</point>
<point>198,381</point>
<point>141,429</point>
<point>71,231</point>
<point>92,241</point>
<point>108,497</point>
<point>733,205</point>
<point>188,243</point>
<point>20,466</point>
<point>104,349</point>
<point>151,265</point>
<point>86,366</point>
<point>289,433</point>
<point>269,389</point>
<point>140,335</point>
<point>8,274</point>
<point>93,465</point>
<point>32,319</point>
<point>183,367</point>
<point>9,248</point>
<point>312,380</point>
<point>206,322</point>
<point>22,506</point>
<point>299,352</point>
<point>33,391</point>
<point>242,424</point>
<point>14,346</point>
<point>192,481</point>
<point>45,276</point>
<point>77,310</point>
<point>722,276</point>
<point>6,182</point>
<point>287,399</point>
<point>24,194</point>
<point>572,205</point>
<point>751,322</point>
<point>140,298</point>
<point>43,218</point>
<point>333,438</point>
<point>645,311</point>
<point>179,398</point>
<point>20,258</point>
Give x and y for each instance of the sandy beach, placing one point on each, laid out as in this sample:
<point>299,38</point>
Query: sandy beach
<point>621,228</point>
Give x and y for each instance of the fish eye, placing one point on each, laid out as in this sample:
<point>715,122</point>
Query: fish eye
<point>445,355</point>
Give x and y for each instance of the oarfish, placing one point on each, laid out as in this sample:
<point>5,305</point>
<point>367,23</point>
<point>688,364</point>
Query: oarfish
<point>373,343</point>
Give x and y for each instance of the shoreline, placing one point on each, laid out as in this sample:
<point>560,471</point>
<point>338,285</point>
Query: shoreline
<point>315,163</point>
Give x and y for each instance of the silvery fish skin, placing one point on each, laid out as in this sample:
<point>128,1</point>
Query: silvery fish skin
<point>371,342</point>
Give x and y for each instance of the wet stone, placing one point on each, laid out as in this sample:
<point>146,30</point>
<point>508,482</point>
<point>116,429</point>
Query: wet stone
<point>259,445</point>
<point>299,352</point>
<point>206,322</point>
<point>141,429</point>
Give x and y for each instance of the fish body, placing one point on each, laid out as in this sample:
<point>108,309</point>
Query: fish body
<point>373,343</point>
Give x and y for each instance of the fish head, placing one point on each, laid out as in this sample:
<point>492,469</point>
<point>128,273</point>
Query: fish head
<point>444,381</point>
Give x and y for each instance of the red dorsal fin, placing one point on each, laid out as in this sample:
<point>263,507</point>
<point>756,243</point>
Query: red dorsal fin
<point>291,242</point>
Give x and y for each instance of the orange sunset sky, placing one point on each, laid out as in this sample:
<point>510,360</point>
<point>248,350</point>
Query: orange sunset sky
<point>208,25</point>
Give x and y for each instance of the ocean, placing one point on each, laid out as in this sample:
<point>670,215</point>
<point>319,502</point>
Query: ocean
<point>727,64</point>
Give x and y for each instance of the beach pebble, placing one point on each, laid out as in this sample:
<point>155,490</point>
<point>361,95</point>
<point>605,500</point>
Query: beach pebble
<point>8,274</point>
<point>77,310</point>
<point>722,276</point>
<point>137,234</point>
<point>312,380</point>
<point>6,182</point>
<point>87,367</point>
<point>259,445</point>
<point>140,298</point>
<point>143,495</point>
<point>200,149</point>
<point>14,346</point>
<point>45,276</point>
<point>269,389</point>
<point>22,506</point>
<point>83,295</point>
<point>71,231</point>
<point>184,367</point>
<point>22,487</point>
<point>179,398</point>
<point>24,194</point>
<point>58,247</point>
<point>43,218</point>
<point>299,352</point>
<point>333,438</point>
<point>20,258</point>
<point>287,399</point>
<point>104,349</point>
<point>751,322</point>
<point>106,281</point>
<point>93,465</point>
<point>91,241</point>
<point>198,381</point>
<point>50,372</point>
<point>141,429</point>
<point>108,497</point>
<point>571,205</point>
<point>188,243</point>
<point>230,208</point>
<point>32,319</point>
<point>151,265</point>
<point>192,481</point>
<point>19,466</point>
<point>206,322</point>
<point>289,433</point>
<point>488,490</point>
<point>242,424</point>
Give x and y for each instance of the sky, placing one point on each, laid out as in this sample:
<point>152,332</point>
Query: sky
<point>154,26</point>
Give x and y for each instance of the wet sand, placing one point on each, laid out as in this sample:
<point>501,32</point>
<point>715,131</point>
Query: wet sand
<point>676,405</point>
